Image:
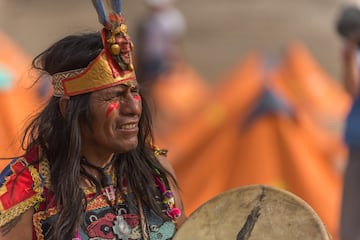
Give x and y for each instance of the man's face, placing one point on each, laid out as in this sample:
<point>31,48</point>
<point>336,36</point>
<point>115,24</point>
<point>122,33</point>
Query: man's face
<point>115,117</point>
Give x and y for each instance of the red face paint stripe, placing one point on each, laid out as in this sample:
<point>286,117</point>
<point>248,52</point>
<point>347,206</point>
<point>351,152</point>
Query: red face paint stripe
<point>112,106</point>
<point>137,97</point>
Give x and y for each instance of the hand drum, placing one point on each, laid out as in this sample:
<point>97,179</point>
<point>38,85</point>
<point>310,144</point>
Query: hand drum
<point>254,212</point>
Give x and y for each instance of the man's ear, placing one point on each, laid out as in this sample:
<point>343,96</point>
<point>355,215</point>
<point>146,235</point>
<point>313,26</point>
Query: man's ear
<point>63,103</point>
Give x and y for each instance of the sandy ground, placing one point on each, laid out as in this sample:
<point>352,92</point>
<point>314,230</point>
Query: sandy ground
<point>220,33</point>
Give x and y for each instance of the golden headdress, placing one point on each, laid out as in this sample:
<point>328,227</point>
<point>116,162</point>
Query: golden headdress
<point>114,64</point>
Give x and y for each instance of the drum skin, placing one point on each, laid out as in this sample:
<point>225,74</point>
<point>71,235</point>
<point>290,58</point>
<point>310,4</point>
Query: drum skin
<point>254,212</point>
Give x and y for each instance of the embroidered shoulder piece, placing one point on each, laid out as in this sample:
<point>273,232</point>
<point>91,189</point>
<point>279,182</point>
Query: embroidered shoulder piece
<point>21,187</point>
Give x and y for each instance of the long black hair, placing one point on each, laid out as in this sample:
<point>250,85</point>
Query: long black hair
<point>60,139</point>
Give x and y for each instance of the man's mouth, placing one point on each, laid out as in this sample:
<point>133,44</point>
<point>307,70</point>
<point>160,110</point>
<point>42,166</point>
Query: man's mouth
<point>128,126</point>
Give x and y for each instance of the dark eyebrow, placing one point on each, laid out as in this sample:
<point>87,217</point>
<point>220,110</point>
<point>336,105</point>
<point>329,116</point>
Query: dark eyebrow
<point>120,87</point>
<point>132,85</point>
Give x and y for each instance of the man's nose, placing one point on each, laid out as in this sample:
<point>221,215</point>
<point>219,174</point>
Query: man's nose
<point>131,104</point>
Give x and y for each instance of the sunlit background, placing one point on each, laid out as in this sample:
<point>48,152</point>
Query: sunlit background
<point>258,101</point>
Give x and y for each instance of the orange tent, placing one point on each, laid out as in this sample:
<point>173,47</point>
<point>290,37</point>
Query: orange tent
<point>266,126</point>
<point>314,153</point>
<point>202,148</point>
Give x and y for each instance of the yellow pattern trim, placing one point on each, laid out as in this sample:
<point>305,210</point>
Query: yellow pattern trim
<point>100,200</point>
<point>36,178</point>
<point>19,209</point>
<point>97,203</point>
<point>23,206</point>
<point>44,169</point>
<point>38,217</point>
<point>159,152</point>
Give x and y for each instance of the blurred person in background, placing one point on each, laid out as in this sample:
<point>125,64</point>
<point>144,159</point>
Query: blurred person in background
<point>348,27</point>
<point>159,40</point>
<point>90,169</point>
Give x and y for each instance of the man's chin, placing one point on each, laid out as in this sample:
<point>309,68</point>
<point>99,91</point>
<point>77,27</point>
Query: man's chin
<point>127,147</point>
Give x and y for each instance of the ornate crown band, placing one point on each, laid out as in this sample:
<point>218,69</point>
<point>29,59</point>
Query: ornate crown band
<point>114,63</point>
<point>96,76</point>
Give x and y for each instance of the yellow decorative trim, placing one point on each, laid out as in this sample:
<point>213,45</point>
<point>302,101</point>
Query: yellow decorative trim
<point>159,152</point>
<point>100,200</point>
<point>97,203</point>
<point>44,169</point>
<point>37,186</point>
<point>90,190</point>
<point>98,75</point>
<point>38,217</point>
<point>19,209</point>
